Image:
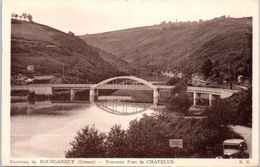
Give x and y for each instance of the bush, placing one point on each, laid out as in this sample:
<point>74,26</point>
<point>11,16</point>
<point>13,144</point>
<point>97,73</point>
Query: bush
<point>148,138</point>
<point>222,113</point>
<point>236,109</point>
<point>116,143</point>
<point>89,143</point>
<point>245,109</point>
<point>207,68</point>
<point>31,97</point>
<point>179,100</point>
<point>201,138</point>
<point>173,81</point>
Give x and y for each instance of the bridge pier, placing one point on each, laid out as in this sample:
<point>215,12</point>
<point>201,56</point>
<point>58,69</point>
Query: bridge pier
<point>194,98</point>
<point>92,95</point>
<point>72,95</point>
<point>155,97</point>
<point>210,99</point>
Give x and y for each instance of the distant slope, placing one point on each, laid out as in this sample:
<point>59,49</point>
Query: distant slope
<point>183,45</point>
<point>120,64</point>
<point>49,50</point>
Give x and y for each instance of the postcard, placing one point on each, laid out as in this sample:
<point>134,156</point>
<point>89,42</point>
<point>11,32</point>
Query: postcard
<point>130,83</point>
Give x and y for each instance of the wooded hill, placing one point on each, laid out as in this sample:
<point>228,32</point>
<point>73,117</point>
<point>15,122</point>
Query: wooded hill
<point>53,52</point>
<point>226,42</point>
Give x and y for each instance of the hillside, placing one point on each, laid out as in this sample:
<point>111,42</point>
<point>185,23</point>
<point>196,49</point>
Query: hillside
<point>120,64</point>
<point>53,52</point>
<point>187,45</point>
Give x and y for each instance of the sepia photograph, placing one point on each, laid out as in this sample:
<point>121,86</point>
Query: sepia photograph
<point>130,83</point>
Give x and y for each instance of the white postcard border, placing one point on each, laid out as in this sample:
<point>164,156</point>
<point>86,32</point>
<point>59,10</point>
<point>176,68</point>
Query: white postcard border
<point>5,131</point>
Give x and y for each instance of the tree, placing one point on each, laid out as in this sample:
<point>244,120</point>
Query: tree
<point>198,136</point>
<point>24,16</point>
<point>29,16</point>
<point>179,100</point>
<point>207,68</point>
<point>201,137</point>
<point>163,22</point>
<point>245,108</point>
<point>222,112</point>
<point>236,109</point>
<point>173,81</point>
<point>148,138</point>
<point>32,97</point>
<point>13,15</point>
<point>89,143</point>
<point>232,71</point>
<point>116,144</point>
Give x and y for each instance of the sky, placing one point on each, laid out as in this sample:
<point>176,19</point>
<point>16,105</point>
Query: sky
<point>96,16</point>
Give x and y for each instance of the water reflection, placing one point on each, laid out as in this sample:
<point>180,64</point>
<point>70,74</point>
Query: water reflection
<point>41,134</point>
<point>49,108</point>
<point>44,108</point>
<point>122,107</point>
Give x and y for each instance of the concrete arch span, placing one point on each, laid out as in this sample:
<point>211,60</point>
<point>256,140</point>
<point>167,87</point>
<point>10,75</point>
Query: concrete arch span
<point>133,78</point>
<point>143,85</point>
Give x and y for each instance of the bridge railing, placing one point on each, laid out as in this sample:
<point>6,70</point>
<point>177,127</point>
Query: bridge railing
<point>124,87</point>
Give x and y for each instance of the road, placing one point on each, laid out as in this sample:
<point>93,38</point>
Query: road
<point>246,133</point>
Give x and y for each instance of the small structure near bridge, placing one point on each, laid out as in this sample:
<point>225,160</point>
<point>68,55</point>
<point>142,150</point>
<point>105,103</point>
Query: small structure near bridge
<point>43,79</point>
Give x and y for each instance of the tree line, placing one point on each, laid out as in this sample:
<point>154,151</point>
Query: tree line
<point>149,136</point>
<point>24,16</point>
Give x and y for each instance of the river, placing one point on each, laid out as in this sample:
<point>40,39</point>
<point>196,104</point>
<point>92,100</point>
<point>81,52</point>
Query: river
<point>48,134</point>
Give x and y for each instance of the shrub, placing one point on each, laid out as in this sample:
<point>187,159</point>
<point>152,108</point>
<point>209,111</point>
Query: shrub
<point>31,97</point>
<point>245,108</point>
<point>222,113</point>
<point>88,143</point>
<point>173,81</point>
<point>147,138</point>
<point>200,136</point>
<point>116,143</point>
<point>236,109</point>
<point>179,100</point>
<point>207,68</point>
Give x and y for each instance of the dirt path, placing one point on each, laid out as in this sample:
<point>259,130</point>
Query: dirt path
<point>246,133</point>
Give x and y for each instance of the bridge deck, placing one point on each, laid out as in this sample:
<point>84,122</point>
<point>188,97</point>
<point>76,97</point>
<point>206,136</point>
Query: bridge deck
<point>125,87</point>
<point>56,86</point>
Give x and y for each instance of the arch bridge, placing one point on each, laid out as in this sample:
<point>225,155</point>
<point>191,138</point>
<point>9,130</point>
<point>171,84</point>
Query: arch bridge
<point>135,83</point>
<point>127,83</point>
